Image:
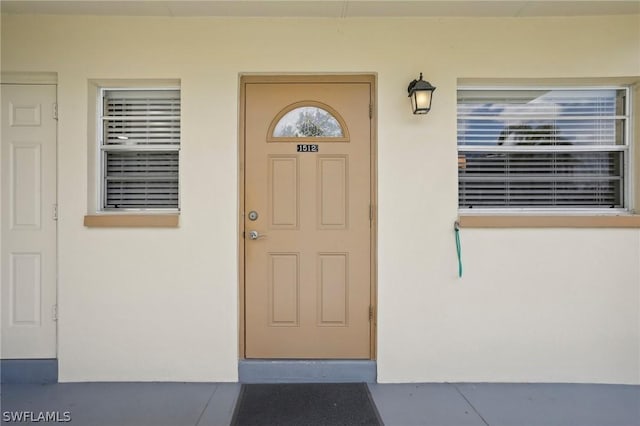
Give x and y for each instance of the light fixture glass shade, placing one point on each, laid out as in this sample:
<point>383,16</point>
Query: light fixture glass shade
<point>420,92</point>
<point>421,101</point>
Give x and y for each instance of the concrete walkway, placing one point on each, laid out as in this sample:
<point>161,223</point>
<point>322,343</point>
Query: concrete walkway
<point>199,404</point>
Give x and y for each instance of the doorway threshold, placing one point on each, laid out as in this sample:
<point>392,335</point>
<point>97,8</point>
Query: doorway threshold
<point>306,371</point>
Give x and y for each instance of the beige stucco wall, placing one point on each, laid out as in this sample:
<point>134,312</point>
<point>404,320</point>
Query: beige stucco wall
<point>534,305</point>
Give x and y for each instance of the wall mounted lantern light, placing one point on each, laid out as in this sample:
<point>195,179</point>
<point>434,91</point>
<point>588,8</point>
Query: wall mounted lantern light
<point>420,92</point>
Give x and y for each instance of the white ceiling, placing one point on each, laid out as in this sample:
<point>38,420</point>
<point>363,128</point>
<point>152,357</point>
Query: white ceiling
<point>324,8</point>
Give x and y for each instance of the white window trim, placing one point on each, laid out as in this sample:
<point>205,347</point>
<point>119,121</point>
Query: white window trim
<point>629,166</point>
<point>99,178</point>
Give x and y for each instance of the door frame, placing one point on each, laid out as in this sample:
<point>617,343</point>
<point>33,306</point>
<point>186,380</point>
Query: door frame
<point>371,79</point>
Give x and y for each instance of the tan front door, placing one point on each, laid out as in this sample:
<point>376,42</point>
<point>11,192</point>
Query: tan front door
<point>307,219</point>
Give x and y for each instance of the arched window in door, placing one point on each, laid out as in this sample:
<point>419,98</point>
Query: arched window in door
<point>308,120</point>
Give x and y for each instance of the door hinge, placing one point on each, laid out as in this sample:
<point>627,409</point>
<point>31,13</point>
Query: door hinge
<point>54,212</point>
<point>54,312</point>
<point>370,212</point>
<point>55,111</point>
<point>370,110</point>
<point>370,313</point>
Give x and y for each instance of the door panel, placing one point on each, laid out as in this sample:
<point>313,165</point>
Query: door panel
<point>283,192</point>
<point>28,225</point>
<point>307,275</point>
<point>333,289</point>
<point>333,192</point>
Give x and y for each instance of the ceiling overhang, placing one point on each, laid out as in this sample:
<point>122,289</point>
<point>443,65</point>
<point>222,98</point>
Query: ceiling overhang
<point>325,8</point>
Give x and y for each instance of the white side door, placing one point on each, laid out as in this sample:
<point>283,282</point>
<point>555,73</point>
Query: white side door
<point>28,221</point>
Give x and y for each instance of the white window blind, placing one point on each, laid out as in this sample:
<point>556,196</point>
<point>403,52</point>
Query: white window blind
<point>539,148</point>
<point>139,149</point>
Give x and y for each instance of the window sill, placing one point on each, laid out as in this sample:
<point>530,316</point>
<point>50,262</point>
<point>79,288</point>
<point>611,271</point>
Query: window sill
<point>523,221</point>
<point>131,220</point>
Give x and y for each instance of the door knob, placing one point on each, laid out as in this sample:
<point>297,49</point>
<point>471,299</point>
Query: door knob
<point>254,235</point>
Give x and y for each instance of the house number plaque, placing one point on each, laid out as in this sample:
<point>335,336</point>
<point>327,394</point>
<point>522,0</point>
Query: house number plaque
<point>306,147</point>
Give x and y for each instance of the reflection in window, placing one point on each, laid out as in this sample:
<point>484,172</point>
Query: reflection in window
<point>308,122</point>
<point>541,117</point>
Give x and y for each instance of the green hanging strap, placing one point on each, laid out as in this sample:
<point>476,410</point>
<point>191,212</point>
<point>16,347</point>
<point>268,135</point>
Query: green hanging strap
<point>456,228</point>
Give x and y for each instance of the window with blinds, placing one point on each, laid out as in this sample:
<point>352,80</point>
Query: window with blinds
<point>542,148</point>
<point>139,149</point>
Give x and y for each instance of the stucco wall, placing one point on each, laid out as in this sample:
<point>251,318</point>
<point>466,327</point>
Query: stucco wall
<point>534,305</point>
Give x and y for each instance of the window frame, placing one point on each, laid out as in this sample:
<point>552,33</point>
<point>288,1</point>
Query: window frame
<point>102,149</point>
<point>627,149</point>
